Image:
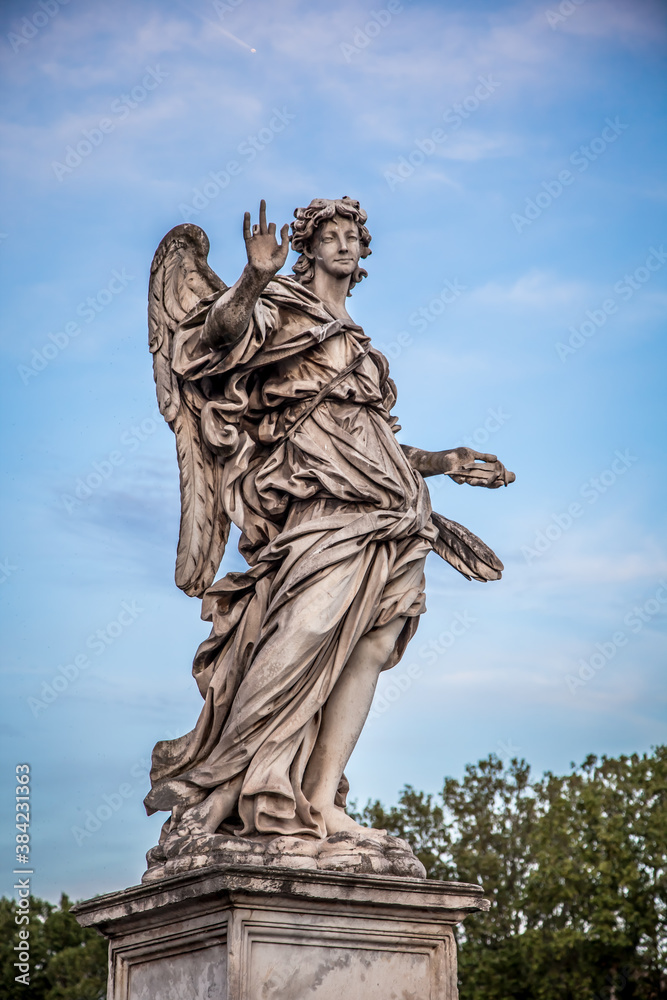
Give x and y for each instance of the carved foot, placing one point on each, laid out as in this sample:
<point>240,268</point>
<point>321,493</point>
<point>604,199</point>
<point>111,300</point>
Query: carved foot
<point>337,821</point>
<point>207,816</point>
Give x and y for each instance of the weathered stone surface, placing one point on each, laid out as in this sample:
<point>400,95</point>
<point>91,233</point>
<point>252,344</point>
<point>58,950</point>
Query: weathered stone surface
<point>371,852</point>
<point>271,934</point>
<point>281,408</point>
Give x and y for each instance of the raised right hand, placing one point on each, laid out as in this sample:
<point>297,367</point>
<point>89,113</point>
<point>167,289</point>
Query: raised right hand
<point>265,255</point>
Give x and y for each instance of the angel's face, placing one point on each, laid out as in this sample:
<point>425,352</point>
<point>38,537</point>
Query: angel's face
<point>336,247</point>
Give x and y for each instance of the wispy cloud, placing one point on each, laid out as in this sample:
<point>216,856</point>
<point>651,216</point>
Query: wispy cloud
<point>535,290</point>
<point>550,90</point>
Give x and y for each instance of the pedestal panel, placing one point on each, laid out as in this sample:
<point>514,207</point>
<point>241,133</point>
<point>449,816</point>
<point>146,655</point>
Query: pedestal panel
<point>228,934</point>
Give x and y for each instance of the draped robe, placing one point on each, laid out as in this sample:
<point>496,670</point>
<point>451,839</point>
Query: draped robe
<point>335,526</point>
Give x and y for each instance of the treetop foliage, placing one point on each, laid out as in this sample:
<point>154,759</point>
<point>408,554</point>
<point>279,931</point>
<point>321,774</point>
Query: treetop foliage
<point>67,961</point>
<point>575,868</point>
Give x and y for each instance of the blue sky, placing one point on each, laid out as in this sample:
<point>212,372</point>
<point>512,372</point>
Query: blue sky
<point>511,157</point>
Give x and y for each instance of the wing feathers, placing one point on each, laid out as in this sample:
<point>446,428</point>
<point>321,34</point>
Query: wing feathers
<point>204,524</point>
<point>180,278</point>
<point>465,551</point>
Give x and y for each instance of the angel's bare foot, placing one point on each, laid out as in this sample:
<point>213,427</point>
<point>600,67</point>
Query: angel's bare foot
<point>337,821</point>
<point>216,807</point>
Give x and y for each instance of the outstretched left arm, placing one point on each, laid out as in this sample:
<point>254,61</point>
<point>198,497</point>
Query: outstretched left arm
<point>463,465</point>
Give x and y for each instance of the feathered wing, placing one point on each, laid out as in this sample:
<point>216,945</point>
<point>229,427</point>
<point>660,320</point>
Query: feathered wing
<point>465,551</point>
<point>180,278</point>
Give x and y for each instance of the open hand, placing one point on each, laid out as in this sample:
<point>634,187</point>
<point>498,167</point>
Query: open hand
<point>476,469</point>
<point>265,255</point>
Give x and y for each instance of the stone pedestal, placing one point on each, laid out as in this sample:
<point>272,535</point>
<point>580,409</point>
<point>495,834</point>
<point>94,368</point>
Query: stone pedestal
<point>264,934</point>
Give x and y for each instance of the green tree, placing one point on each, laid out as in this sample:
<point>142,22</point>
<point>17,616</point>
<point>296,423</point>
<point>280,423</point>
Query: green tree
<point>575,868</point>
<point>67,961</point>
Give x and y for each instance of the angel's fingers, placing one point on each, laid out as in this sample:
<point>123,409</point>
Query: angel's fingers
<point>284,235</point>
<point>246,226</point>
<point>488,479</point>
<point>482,469</point>
<point>272,229</point>
<point>262,217</point>
<point>486,458</point>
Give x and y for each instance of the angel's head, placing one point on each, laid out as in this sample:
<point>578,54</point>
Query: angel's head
<point>330,233</point>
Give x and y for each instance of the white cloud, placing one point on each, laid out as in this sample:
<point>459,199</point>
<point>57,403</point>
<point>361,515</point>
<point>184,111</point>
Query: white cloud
<point>576,566</point>
<point>386,95</point>
<point>470,146</point>
<point>535,290</point>
<point>630,23</point>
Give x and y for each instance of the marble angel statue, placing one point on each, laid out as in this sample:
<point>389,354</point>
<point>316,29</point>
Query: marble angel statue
<point>282,413</point>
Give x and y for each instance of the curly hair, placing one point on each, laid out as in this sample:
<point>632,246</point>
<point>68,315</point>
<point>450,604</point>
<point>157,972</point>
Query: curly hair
<point>309,219</point>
